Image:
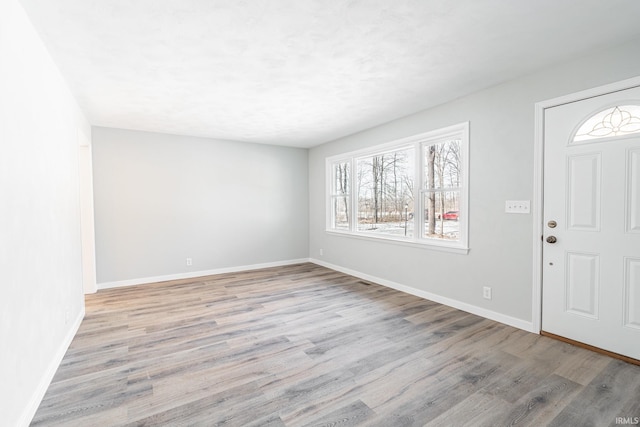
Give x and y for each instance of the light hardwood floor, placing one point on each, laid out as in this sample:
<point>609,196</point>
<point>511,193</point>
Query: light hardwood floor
<point>303,345</point>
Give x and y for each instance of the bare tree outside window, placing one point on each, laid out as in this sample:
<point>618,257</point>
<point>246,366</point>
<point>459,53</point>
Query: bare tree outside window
<point>340,194</point>
<point>385,192</point>
<point>442,189</point>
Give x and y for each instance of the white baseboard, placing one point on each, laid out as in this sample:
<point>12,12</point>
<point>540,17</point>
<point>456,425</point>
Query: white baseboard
<point>38,394</point>
<point>483,312</point>
<point>469,308</point>
<point>201,273</point>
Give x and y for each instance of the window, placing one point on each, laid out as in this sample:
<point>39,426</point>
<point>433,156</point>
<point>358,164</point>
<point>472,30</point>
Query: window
<point>412,191</point>
<point>616,121</point>
<point>385,192</point>
<point>340,200</point>
<point>441,191</point>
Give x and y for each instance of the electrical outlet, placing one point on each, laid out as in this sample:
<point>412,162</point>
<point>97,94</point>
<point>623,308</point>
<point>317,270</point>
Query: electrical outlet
<point>517,206</point>
<point>486,292</point>
<point>321,252</point>
<point>189,261</point>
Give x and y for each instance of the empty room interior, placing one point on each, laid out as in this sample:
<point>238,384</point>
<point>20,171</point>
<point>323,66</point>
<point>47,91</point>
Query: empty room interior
<point>303,212</point>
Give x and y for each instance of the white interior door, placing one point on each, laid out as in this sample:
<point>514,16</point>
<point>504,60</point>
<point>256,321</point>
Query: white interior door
<point>591,273</point>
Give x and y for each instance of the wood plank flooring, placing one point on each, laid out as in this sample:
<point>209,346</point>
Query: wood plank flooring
<point>306,346</point>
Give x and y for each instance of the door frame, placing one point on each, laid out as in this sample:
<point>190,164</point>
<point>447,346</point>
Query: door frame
<point>538,182</point>
<point>87,223</point>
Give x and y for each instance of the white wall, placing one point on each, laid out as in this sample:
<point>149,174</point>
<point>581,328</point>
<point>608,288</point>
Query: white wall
<point>501,157</point>
<point>160,199</point>
<point>41,298</point>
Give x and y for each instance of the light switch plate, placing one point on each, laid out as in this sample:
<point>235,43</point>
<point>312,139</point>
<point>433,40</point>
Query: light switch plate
<point>517,206</point>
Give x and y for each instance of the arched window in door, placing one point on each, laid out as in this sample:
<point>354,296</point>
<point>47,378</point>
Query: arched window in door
<point>616,121</point>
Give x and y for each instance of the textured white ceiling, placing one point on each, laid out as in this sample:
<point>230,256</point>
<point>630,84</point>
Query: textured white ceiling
<point>302,72</point>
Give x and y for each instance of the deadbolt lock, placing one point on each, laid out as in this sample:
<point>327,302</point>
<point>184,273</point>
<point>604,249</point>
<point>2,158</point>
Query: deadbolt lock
<point>552,224</point>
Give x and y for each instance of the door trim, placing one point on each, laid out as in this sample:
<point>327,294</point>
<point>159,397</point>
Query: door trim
<point>87,224</point>
<point>538,182</point>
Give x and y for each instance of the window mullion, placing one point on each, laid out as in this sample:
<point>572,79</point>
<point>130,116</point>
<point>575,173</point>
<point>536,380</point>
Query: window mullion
<point>418,200</point>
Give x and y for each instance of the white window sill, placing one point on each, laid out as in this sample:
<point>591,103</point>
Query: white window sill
<point>429,244</point>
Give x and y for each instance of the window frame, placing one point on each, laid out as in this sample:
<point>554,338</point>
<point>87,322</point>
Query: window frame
<point>333,195</point>
<point>418,143</point>
<point>372,154</point>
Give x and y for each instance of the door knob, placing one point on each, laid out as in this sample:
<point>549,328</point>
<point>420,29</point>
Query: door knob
<point>551,239</point>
